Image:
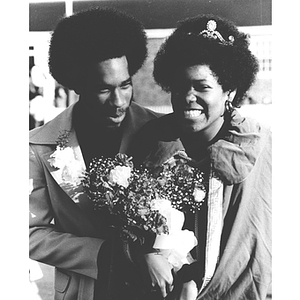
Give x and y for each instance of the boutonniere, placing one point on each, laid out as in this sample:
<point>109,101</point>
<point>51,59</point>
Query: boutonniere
<point>63,158</point>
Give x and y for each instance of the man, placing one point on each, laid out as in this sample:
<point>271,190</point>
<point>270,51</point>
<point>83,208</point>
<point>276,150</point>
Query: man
<point>95,53</point>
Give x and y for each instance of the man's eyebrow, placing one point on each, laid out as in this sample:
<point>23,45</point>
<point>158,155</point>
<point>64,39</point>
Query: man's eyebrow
<point>127,81</point>
<point>199,80</point>
<point>104,85</point>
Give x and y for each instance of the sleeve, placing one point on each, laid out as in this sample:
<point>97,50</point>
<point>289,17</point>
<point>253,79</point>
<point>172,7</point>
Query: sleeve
<point>46,243</point>
<point>194,271</point>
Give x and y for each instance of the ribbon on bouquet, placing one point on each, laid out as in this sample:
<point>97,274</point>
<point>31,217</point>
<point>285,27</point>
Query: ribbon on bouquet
<point>177,244</point>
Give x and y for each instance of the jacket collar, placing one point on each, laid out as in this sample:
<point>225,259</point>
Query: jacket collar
<point>232,155</point>
<point>135,119</point>
<point>48,134</point>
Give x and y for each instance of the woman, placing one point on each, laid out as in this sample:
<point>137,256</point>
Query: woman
<point>208,68</point>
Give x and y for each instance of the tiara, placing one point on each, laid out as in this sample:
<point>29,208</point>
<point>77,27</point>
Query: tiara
<point>211,33</point>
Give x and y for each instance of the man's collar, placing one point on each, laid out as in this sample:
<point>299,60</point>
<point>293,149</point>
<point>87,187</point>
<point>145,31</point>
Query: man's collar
<point>49,133</point>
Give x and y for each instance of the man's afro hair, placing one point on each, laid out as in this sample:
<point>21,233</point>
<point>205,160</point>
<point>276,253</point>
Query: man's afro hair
<point>234,65</point>
<point>94,35</point>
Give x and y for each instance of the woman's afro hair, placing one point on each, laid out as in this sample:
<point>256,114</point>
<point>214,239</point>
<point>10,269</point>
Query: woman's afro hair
<point>94,35</point>
<point>234,65</point>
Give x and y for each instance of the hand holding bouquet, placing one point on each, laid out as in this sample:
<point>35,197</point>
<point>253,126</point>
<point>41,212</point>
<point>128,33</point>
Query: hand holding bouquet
<point>142,202</point>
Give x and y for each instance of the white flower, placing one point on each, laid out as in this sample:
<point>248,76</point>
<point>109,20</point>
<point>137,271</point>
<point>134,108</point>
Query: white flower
<point>64,159</point>
<point>198,194</point>
<point>120,175</point>
<point>72,173</point>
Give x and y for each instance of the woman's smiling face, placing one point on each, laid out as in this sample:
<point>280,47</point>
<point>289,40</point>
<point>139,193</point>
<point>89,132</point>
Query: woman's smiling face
<point>198,101</point>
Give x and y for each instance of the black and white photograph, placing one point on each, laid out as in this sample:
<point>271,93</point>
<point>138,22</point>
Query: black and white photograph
<point>150,149</point>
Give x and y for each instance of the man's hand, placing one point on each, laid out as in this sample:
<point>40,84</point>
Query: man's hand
<point>160,272</point>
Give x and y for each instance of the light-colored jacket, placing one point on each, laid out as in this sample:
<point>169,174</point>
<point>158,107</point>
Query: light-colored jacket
<point>239,224</point>
<point>61,231</point>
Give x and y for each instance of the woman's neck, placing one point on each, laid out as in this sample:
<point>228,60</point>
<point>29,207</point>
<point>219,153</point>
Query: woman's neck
<point>197,143</point>
<point>195,147</point>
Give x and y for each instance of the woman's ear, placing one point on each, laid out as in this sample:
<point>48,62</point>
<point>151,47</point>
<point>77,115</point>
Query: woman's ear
<point>231,95</point>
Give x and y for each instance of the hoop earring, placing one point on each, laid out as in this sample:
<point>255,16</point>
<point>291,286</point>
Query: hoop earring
<point>228,106</point>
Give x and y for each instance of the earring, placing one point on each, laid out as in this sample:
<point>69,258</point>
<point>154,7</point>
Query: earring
<point>228,106</point>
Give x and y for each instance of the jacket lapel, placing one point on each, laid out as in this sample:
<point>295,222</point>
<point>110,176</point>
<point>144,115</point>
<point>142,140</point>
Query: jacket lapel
<point>56,173</point>
<point>74,191</point>
<point>137,116</point>
<point>48,135</point>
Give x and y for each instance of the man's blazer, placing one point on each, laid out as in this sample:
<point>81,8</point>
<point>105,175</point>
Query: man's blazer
<point>62,233</point>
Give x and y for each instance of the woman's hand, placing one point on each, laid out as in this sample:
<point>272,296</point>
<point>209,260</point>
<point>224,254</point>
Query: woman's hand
<point>189,291</point>
<point>160,272</point>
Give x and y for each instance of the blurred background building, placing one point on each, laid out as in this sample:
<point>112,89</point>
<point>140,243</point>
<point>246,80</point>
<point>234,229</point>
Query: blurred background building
<point>47,98</point>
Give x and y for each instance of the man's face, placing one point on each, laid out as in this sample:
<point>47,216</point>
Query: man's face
<point>108,91</point>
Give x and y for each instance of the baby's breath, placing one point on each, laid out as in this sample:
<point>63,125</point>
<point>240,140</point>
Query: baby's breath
<point>63,139</point>
<point>131,203</point>
<point>179,181</point>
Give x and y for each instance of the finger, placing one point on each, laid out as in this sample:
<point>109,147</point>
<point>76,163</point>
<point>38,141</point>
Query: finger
<point>163,291</point>
<point>169,286</point>
<point>170,283</point>
<point>153,287</point>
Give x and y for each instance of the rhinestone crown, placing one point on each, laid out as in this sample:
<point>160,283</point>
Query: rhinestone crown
<point>211,33</point>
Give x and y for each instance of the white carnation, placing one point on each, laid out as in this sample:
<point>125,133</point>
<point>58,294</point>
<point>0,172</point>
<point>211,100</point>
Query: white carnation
<point>120,175</point>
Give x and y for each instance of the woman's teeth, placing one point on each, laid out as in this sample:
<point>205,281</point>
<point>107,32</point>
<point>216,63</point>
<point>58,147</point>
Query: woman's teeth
<point>191,114</point>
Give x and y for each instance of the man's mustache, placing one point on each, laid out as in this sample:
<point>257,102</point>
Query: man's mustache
<point>117,111</point>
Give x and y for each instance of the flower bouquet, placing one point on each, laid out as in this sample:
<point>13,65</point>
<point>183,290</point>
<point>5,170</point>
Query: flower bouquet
<point>153,204</point>
<point>115,185</point>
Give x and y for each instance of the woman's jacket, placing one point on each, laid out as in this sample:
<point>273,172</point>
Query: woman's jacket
<point>238,232</point>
